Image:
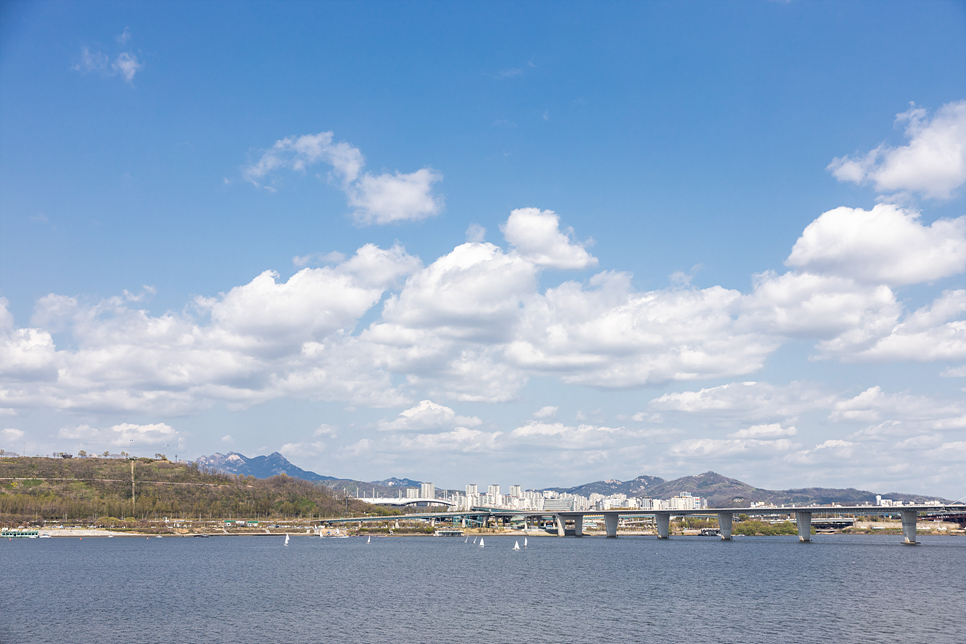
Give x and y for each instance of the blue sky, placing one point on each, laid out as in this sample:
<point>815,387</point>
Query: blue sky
<point>534,243</point>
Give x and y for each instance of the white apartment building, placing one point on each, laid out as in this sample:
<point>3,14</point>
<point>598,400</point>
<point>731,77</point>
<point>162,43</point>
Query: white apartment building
<point>427,491</point>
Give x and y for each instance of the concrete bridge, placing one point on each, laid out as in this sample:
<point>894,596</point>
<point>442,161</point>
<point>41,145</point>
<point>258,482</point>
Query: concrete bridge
<point>803,517</point>
<point>725,516</point>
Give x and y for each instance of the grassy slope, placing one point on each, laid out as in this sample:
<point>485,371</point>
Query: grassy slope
<point>59,489</point>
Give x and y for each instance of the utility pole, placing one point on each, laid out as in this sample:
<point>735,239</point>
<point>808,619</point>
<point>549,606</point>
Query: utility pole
<point>132,488</point>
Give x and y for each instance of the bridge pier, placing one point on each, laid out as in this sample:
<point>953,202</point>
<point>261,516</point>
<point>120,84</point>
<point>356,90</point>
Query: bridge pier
<point>610,525</point>
<point>724,525</point>
<point>804,520</point>
<point>579,525</point>
<point>663,520</point>
<point>909,526</point>
<point>559,520</point>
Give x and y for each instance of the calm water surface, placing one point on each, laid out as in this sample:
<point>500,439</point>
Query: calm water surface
<point>419,589</point>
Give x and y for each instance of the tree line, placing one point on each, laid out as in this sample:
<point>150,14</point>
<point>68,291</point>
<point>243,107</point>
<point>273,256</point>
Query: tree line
<point>98,490</point>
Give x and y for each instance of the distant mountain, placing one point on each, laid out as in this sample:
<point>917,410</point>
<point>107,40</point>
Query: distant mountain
<point>394,482</point>
<point>721,491</point>
<point>261,467</point>
<point>634,487</point>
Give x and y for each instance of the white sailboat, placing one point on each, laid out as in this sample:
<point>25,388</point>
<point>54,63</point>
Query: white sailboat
<point>481,542</point>
<point>286,539</point>
<point>466,540</point>
<point>369,540</point>
<point>524,541</point>
<point>474,541</point>
<point>516,545</point>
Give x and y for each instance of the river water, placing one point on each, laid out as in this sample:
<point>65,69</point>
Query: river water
<point>425,589</point>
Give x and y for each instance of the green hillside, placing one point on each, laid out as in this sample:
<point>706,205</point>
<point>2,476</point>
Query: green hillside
<point>97,489</point>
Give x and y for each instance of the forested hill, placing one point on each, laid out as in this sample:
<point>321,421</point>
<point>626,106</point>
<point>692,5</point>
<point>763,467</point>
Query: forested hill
<point>722,492</point>
<point>82,488</point>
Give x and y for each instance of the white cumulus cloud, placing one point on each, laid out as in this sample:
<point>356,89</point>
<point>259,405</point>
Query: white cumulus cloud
<point>885,245</point>
<point>548,411</point>
<point>933,163</point>
<point>377,198</point>
<point>11,434</point>
<point>123,435</point>
<point>535,235</point>
<point>428,415</point>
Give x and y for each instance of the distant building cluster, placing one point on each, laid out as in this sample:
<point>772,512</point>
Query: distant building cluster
<point>519,499</point>
<point>889,503</point>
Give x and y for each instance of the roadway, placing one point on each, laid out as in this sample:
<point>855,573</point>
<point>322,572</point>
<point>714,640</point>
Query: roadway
<point>803,517</point>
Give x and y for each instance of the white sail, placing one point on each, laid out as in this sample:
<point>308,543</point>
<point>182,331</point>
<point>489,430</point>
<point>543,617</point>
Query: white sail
<point>481,542</point>
<point>474,540</point>
<point>369,540</point>
<point>516,545</point>
<point>286,539</point>
<point>524,542</point>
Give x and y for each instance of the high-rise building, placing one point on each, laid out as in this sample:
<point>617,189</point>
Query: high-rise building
<point>427,491</point>
<point>412,493</point>
<point>493,490</point>
<point>516,491</point>
<point>472,488</point>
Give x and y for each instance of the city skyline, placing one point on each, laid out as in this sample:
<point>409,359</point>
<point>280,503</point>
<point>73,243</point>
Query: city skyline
<point>542,246</point>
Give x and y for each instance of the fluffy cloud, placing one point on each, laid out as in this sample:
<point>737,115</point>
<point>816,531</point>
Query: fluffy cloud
<point>873,405</point>
<point>474,292</point>
<point>548,411</point>
<point>296,450</point>
<point>774,430</point>
<point>11,434</point>
<point>264,340</point>
<point>933,163</point>
<point>326,430</point>
<point>123,434</point>
<point>397,450</point>
<point>806,305</point>
<point>460,439</point>
<point>389,198</point>
<point>298,153</point>
<point>428,415</point>
<point>377,199</point>
<point>473,325</point>
<point>885,245</point>
<point>933,332</point>
<point>126,64</point>
<point>729,447</point>
<point>750,400</point>
<point>565,436</point>
<point>609,335</point>
<point>535,235</point>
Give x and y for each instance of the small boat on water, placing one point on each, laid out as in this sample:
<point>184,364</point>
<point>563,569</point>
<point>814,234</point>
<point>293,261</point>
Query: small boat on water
<point>369,540</point>
<point>286,539</point>
<point>481,542</point>
<point>516,545</point>
<point>524,541</point>
<point>333,535</point>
